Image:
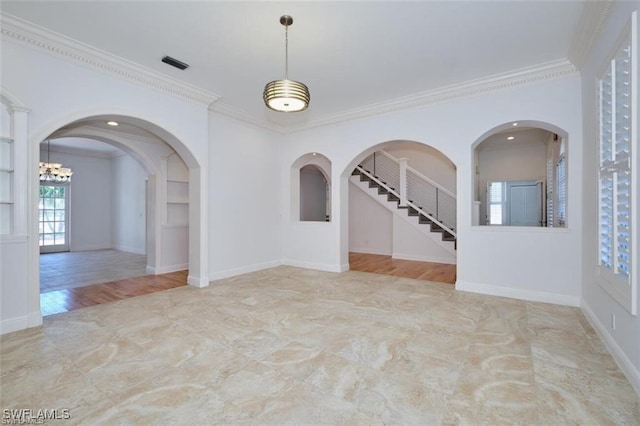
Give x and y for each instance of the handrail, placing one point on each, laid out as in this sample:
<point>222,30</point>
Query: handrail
<point>409,203</point>
<point>377,180</point>
<point>432,182</point>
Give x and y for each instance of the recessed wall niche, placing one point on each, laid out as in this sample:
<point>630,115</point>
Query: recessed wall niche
<point>311,188</point>
<point>521,176</point>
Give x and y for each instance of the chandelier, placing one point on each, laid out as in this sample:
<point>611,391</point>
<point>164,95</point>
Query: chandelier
<point>54,172</point>
<point>286,95</point>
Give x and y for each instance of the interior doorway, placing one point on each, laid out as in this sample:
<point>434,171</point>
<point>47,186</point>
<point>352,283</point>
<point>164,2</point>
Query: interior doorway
<point>515,203</point>
<point>122,219</point>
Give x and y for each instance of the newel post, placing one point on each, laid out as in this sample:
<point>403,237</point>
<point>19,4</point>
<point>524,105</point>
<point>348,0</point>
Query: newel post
<point>403,181</point>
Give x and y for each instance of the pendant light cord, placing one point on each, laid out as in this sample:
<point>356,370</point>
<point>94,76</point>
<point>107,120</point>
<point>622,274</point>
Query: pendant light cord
<point>286,52</point>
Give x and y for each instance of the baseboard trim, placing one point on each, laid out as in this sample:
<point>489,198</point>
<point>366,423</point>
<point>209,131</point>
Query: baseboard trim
<point>199,282</point>
<point>151,270</point>
<point>227,273</point>
<point>516,293</point>
<point>128,249</point>
<point>33,319</point>
<point>625,364</point>
<point>327,267</point>
<point>368,250</point>
<point>404,256</point>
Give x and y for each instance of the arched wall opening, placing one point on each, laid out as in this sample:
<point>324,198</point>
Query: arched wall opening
<point>520,176</point>
<point>166,241</point>
<point>404,237</point>
<point>311,188</point>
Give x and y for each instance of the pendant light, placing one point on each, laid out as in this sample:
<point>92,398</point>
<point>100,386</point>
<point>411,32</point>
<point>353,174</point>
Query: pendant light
<point>286,95</point>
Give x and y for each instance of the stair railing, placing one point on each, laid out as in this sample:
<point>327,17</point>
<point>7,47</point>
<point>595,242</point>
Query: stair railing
<point>413,188</point>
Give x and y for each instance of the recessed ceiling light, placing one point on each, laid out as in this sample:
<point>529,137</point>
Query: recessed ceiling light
<point>112,123</point>
<point>510,138</point>
<point>514,124</point>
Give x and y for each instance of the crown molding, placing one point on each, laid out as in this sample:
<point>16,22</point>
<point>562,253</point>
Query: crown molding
<point>57,44</point>
<point>541,72</point>
<point>589,27</point>
<point>237,114</point>
<point>547,71</point>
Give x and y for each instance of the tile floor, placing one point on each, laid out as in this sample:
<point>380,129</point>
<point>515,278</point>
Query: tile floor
<point>89,267</point>
<point>294,346</point>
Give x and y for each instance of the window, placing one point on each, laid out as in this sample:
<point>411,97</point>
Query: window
<point>53,218</point>
<point>561,185</point>
<point>496,203</point>
<point>616,105</point>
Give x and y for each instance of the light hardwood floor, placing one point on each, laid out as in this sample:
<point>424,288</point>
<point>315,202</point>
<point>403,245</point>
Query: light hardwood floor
<point>386,265</point>
<point>108,263</point>
<point>73,280</point>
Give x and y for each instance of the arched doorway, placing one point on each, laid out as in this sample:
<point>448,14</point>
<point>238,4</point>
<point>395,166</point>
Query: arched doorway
<point>401,204</point>
<point>173,196</point>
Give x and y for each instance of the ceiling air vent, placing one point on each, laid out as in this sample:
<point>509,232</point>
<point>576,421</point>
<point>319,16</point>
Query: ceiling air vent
<point>175,63</point>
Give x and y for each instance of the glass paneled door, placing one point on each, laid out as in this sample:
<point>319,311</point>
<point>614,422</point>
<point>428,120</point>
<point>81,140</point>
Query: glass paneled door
<point>54,218</point>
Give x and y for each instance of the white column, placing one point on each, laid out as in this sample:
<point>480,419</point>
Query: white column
<point>403,181</point>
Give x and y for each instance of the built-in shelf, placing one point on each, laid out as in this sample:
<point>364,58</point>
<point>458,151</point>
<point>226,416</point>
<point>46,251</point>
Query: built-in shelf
<point>177,192</point>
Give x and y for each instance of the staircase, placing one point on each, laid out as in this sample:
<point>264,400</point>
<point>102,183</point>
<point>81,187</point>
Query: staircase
<point>428,212</point>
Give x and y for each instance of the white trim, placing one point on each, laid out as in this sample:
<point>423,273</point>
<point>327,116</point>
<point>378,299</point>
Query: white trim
<point>134,250</point>
<point>12,239</point>
<point>33,319</point>
<point>625,364</point>
<point>237,114</point>
<point>227,273</point>
<point>198,282</point>
<point>68,48</point>
<point>516,293</point>
<point>533,74</point>
<point>434,259</point>
<point>327,267</point>
<point>171,268</point>
<point>594,14</point>
<point>14,324</point>
<point>54,43</point>
<point>370,250</point>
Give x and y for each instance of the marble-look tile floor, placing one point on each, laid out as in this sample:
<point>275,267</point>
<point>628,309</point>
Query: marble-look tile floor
<point>294,346</point>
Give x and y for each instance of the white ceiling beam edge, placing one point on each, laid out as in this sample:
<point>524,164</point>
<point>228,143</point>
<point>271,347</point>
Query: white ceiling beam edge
<point>58,44</point>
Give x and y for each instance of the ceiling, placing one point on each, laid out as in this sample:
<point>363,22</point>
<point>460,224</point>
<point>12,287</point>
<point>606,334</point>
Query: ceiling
<point>350,54</point>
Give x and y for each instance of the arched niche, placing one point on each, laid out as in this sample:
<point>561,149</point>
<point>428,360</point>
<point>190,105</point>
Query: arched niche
<point>311,188</point>
<point>520,172</point>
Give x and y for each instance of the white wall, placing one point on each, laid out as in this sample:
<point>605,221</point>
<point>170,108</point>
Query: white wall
<point>624,341</point>
<point>244,198</point>
<point>411,245</point>
<point>428,161</point>
<point>519,274</point>
<point>370,224</point>
<point>129,205</point>
<point>90,199</point>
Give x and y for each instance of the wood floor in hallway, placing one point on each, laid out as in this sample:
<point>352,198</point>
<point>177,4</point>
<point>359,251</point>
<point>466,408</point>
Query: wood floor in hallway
<point>69,299</point>
<point>386,265</point>
<point>57,301</point>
